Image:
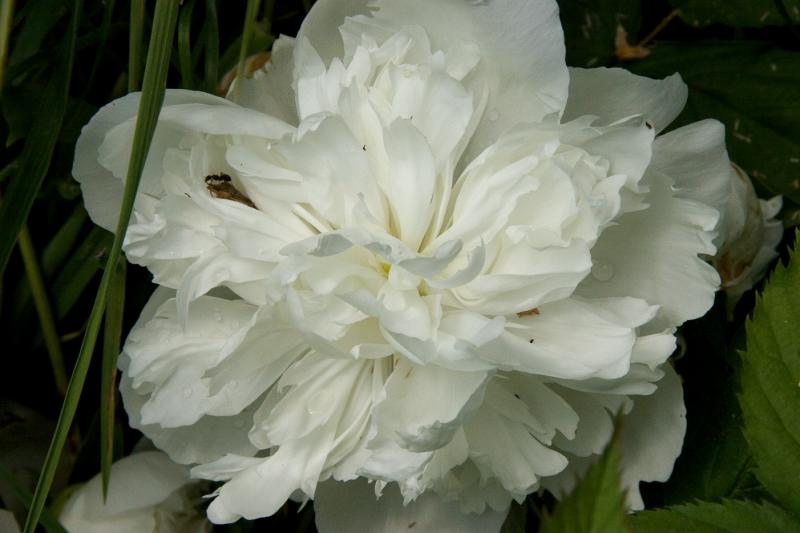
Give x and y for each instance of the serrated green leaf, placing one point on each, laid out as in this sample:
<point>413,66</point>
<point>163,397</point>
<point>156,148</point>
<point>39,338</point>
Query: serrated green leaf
<point>597,505</point>
<point>590,27</point>
<point>770,395</point>
<point>726,517</point>
<point>738,13</point>
<point>754,89</point>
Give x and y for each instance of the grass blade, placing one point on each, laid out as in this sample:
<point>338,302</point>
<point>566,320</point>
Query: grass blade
<point>153,87</point>
<point>51,339</point>
<point>185,45</point>
<point>249,27</point>
<point>39,146</point>
<point>135,45</point>
<point>51,525</point>
<point>112,339</point>
<point>6,18</point>
<point>212,46</point>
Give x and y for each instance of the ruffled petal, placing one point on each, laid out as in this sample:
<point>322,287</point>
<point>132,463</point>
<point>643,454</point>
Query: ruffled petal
<point>426,405</point>
<point>353,508</point>
<point>614,93</point>
<point>652,436</point>
<point>661,243</point>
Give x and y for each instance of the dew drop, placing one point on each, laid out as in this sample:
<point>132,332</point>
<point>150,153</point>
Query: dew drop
<point>222,273</point>
<point>187,392</point>
<point>494,115</point>
<point>217,314</point>
<point>602,271</point>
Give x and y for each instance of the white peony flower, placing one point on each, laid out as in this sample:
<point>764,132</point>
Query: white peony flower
<point>147,493</point>
<point>419,251</point>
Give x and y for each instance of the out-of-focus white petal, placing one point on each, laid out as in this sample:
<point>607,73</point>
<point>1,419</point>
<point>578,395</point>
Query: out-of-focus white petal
<point>353,508</point>
<point>8,523</point>
<point>614,93</point>
<point>142,496</point>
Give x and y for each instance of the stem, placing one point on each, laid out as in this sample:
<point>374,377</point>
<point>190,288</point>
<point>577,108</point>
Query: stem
<point>43,309</point>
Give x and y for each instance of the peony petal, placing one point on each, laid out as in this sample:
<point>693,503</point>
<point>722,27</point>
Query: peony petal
<point>652,436</point>
<point>660,243</point>
<point>695,157</point>
<point>503,445</point>
<point>572,338</point>
<point>522,87</point>
<point>614,93</point>
<point>270,90</point>
<point>351,508</point>
<point>426,405</point>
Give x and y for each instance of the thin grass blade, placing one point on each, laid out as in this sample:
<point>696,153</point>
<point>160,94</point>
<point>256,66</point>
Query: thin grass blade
<point>6,18</point>
<point>135,45</point>
<point>43,308</point>
<point>211,46</point>
<point>22,494</point>
<point>185,45</point>
<point>153,88</point>
<point>112,339</point>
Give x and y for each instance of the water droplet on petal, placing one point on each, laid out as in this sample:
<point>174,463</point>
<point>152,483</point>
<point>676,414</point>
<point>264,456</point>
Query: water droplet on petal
<point>494,114</point>
<point>222,273</point>
<point>187,392</point>
<point>602,271</point>
<point>318,402</point>
<point>217,314</point>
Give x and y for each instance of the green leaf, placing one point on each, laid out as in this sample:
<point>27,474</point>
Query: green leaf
<point>597,505</point>
<point>39,146</point>
<point>770,395</point>
<point>590,27</point>
<point>754,89</point>
<point>726,517</point>
<point>738,13</point>
<point>79,270</point>
<point>41,16</point>
<point>153,87</point>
